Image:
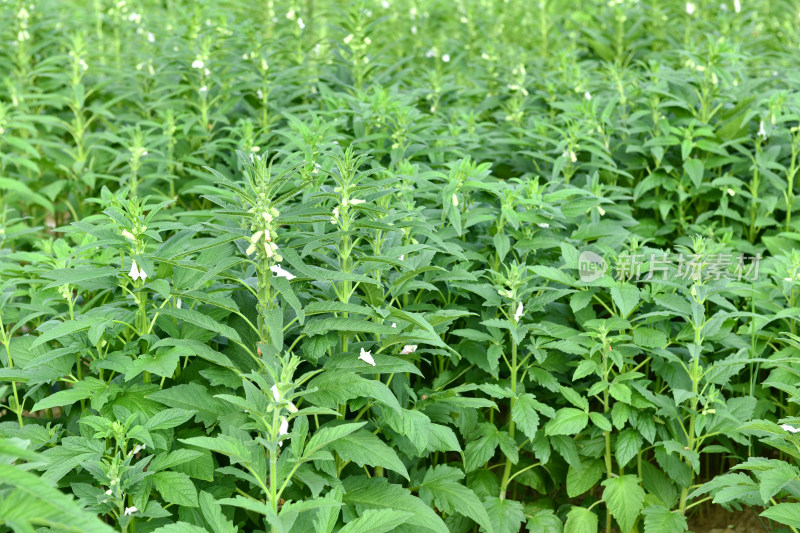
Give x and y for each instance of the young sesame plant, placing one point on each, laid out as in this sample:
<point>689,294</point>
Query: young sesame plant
<point>413,266</point>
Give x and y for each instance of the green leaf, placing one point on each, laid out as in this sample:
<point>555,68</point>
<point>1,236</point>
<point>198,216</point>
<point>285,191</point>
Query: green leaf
<point>580,520</point>
<point>335,388</point>
<point>506,515</point>
<point>659,519</point>
<point>80,391</point>
<point>200,320</point>
<point>625,498</point>
<point>544,521</point>
<point>525,416</point>
<point>784,513</point>
<point>442,487</point>
<point>180,527</point>
<point>573,397</point>
<point>67,328</point>
<point>625,297</point>
<point>568,421</point>
<point>479,451</point>
<point>599,420</point>
<point>694,169</point>
<point>327,435</point>
<point>773,480</point>
<point>176,488</point>
<point>364,448</point>
<point>629,442</point>
<point>378,493</point>
<point>580,480</point>
<point>283,286</point>
<point>212,513</point>
<point>374,521</point>
<point>192,397</point>
<point>349,324</point>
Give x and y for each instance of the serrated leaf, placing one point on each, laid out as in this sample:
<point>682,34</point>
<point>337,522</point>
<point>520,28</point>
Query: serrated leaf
<point>568,421</point>
<point>624,498</point>
<point>364,448</point>
<point>659,519</point>
<point>525,416</point>
<point>374,521</point>
<point>580,480</point>
<point>176,488</point>
<point>378,493</point>
<point>784,513</point>
<point>442,486</point>
<point>629,442</point>
<point>200,320</point>
<point>580,520</point>
<point>506,515</point>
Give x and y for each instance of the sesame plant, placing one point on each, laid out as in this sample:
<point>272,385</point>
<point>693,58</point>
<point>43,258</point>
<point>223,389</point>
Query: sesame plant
<point>465,266</point>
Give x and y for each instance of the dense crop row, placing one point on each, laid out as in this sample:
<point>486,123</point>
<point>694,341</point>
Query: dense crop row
<point>411,265</point>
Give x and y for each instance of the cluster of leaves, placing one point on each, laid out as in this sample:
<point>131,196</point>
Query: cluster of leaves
<point>295,266</point>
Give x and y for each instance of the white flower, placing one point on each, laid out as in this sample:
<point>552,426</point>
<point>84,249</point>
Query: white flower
<point>348,38</point>
<point>385,4</point>
<point>414,30</point>
<point>402,257</point>
<point>150,37</point>
<point>23,14</point>
<point>108,492</point>
<point>394,324</point>
<point>260,94</point>
<point>198,63</point>
<point>130,510</point>
<point>543,225</point>
<point>281,273</point>
<point>356,201</point>
<point>690,8</point>
<point>587,95</point>
<point>290,14</point>
<point>301,24</point>
<point>284,429</point>
<point>137,273</point>
<point>518,313</point>
<point>179,303</point>
<point>203,89</point>
<point>275,393</point>
<point>207,72</point>
<point>430,53</point>
<point>23,35</point>
<point>408,348</point>
<point>446,58</point>
<point>731,192</point>
<point>601,211</point>
<point>83,65</point>
<point>788,279</point>
<point>135,18</point>
<point>737,6</point>
<point>366,357</point>
<point>128,235</point>
<point>761,131</point>
<point>485,56</point>
<point>455,200</point>
<point>790,429</point>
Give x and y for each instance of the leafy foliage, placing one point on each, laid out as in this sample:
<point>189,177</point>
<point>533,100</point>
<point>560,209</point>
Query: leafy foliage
<point>308,266</point>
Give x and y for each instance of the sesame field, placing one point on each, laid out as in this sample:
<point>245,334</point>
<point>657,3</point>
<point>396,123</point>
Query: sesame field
<point>412,266</point>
